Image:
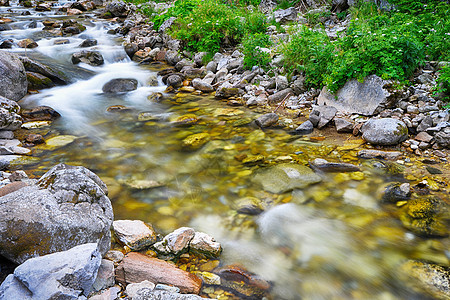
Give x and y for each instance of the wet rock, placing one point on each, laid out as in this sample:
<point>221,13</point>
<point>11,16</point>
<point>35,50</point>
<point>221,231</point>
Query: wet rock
<point>9,114</point>
<point>243,282</point>
<point>73,12</point>
<point>134,233</point>
<point>184,120</point>
<point>67,207</point>
<point>330,167</point>
<point>249,206</point>
<point>43,7</point>
<point>34,138</point>
<point>36,67</point>
<point>195,141</point>
<point>267,120</point>
<point>38,81</point>
<point>39,113</point>
<point>280,96</point>
<point>63,275</point>
<point>137,267</point>
<point>27,43</point>
<point>88,43</point>
<point>426,216</point>
<point>131,49</point>
<point>432,278</point>
<point>177,241</point>
<point>369,153</point>
<point>205,244</point>
<point>200,85</point>
<point>13,79</point>
<point>4,27</point>
<point>342,125</point>
<point>61,42</point>
<point>140,290</point>
<point>105,276</point>
<point>166,295</point>
<point>365,98</point>
<point>305,128</point>
<point>386,131</point>
<point>93,58</point>
<point>285,177</point>
<point>7,44</point>
<point>226,91</point>
<point>120,85</point>
<point>174,80</point>
<point>284,16</point>
<point>117,9</point>
<point>396,192</point>
<point>118,109</point>
<point>191,72</point>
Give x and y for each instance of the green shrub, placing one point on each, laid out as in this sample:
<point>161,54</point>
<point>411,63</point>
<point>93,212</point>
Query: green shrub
<point>443,83</point>
<point>180,9</point>
<point>390,44</point>
<point>391,52</point>
<point>212,25</point>
<point>253,56</point>
<point>311,52</point>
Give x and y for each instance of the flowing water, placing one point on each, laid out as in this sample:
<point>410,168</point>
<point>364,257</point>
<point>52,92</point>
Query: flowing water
<point>332,240</point>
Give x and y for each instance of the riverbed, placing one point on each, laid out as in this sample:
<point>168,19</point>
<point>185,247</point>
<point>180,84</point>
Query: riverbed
<point>334,239</point>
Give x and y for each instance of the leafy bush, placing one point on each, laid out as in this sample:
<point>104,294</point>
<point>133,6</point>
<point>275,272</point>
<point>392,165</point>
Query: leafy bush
<point>180,9</point>
<point>391,52</point>
<point>211,25</point>
<point>390,44</point>
<point>443,83</point>
<point>253,55</point>
<point>310,52</point>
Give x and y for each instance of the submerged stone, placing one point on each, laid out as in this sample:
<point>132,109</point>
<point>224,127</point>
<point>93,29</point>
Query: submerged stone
<point>431,278</point>
<point>195,141</point>
<point>285,177</point>
<point>427,217</point>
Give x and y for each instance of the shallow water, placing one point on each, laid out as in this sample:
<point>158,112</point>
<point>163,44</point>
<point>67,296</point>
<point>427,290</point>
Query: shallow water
<point>332,240</point>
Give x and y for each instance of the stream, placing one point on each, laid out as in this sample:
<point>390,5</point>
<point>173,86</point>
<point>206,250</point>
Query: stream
<point>329,240</point>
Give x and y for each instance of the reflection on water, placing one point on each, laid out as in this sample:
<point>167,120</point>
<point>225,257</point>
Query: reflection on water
<point>332,240</point>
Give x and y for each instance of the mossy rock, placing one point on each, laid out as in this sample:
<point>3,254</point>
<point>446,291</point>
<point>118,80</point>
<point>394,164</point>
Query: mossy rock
<point>37,81</point>
<point>195,141</point>
<point>428,217</point>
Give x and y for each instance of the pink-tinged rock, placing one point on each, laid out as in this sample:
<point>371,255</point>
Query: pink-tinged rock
<point>136,267</point>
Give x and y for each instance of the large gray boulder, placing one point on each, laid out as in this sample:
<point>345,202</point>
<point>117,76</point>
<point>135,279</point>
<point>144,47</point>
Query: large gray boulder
<point>9,114</point>
<point>366,98</point>
<point>63,275</point>
<point>13,79</point>
<point>385,132</point>
<point>67,207</point>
